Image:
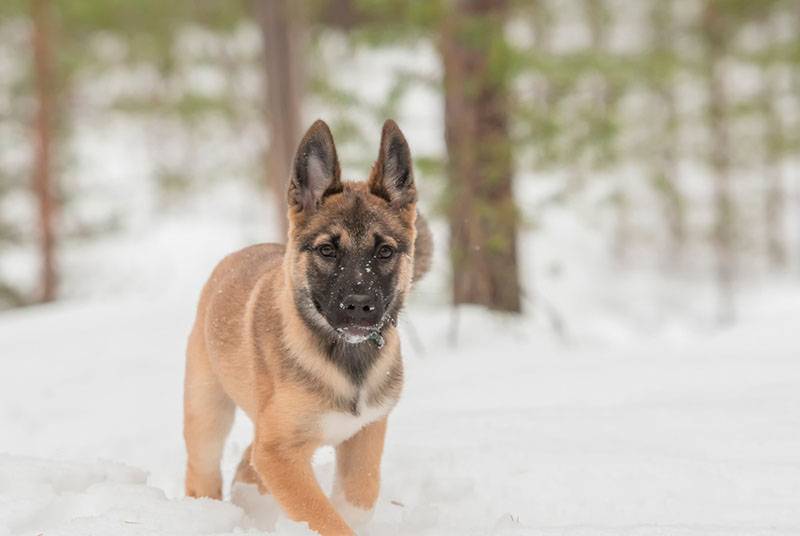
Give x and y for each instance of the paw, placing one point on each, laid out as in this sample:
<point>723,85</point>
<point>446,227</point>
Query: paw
<point>262,509</point>
<point>203,486</point>
<point>355,516</point>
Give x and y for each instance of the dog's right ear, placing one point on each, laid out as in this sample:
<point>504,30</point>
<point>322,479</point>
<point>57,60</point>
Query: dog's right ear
<point>392,176</point>
<point>316,172</point>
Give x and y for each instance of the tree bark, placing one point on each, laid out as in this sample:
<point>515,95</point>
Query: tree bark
<point>43,180</point>
<point>666,166</point>
<point>606,97</point>
<point>723,235</point>
<point>794,176</point>
<point>282,37</point>
<point>482,212</point>
<point>774,198</point>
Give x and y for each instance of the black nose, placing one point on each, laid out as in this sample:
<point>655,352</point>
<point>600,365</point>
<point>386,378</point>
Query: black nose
<point>361,308</point>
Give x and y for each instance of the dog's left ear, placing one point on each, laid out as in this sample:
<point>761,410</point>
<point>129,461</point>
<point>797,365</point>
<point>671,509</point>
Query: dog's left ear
<point>316,172</point>
<point>392,175</point>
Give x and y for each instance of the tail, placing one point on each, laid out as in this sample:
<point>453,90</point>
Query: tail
<point>423,248</point>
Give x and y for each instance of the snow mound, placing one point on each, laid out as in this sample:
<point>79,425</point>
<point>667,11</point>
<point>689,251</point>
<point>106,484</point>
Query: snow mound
<point>75,499</point>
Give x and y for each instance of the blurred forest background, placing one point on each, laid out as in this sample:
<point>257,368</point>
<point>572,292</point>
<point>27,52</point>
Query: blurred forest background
<point>669,128</point>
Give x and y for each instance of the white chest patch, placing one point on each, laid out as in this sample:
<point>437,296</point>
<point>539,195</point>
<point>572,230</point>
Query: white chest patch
<point>338,426</point>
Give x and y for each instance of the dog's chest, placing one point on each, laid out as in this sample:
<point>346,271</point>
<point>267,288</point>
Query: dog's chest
<point>339,426</point>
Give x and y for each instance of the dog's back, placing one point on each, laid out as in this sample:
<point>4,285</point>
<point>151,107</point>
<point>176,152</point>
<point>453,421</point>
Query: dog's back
<point>239,292</point>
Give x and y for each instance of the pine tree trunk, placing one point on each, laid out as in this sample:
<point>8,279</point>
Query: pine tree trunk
<point>282,37</point>
<point>606,96</point>
<point>549,93</point>
<point>774,198</point>
<point>43,180</point>
<point>795,178</point>
<point>543,23</point>
<point>666,167</point>
<point>482,212</point>
<point>723,235</point>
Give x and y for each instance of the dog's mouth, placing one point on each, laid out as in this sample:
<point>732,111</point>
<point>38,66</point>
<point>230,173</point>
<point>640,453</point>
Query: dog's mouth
<point>354,333</point>
<point>360,334</point>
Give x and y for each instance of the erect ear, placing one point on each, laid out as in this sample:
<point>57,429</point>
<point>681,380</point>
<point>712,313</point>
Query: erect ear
<point>392,175</point>
<point>316,172</point>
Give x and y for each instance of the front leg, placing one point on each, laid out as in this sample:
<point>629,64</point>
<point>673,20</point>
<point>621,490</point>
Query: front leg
<point>285,468</point>
<point>358,473</point>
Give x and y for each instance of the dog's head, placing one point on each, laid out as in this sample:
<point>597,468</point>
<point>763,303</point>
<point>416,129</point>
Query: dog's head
<point>350,253</point>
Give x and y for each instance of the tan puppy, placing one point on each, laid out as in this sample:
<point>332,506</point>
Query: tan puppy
<point>303,337</point>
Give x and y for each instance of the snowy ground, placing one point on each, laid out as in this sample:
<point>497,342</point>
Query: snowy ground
<point>512,431</point>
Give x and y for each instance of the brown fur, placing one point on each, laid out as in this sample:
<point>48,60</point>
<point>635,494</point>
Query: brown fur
<point>252,346</point>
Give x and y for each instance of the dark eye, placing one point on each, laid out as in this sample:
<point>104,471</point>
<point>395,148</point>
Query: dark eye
<point>326,250</point>
<point>384,252</point>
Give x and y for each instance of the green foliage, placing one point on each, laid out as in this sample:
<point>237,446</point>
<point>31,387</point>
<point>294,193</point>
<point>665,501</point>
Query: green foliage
<point>388,22</point>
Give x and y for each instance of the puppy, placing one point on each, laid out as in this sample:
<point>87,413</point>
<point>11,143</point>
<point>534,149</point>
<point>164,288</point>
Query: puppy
<point>303,337</point>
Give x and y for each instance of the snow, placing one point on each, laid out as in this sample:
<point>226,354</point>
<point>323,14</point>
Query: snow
<point>71,498</point>
<point>512,431</point>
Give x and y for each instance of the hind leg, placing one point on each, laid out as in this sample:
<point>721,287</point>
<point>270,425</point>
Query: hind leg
<point>246,474</point>
<point>207,418</point>
<point>257,502</point>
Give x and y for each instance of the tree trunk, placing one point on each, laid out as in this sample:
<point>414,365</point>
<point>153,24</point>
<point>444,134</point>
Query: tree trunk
<point>795,178</point>
<point>606,97</point>
<point>482,213</point>
<point>774,198</point>
<point>43,181</point>
<point>282,37</point>
<point>666,166</point>
<point>543,25</point>
<point>723,235</point>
